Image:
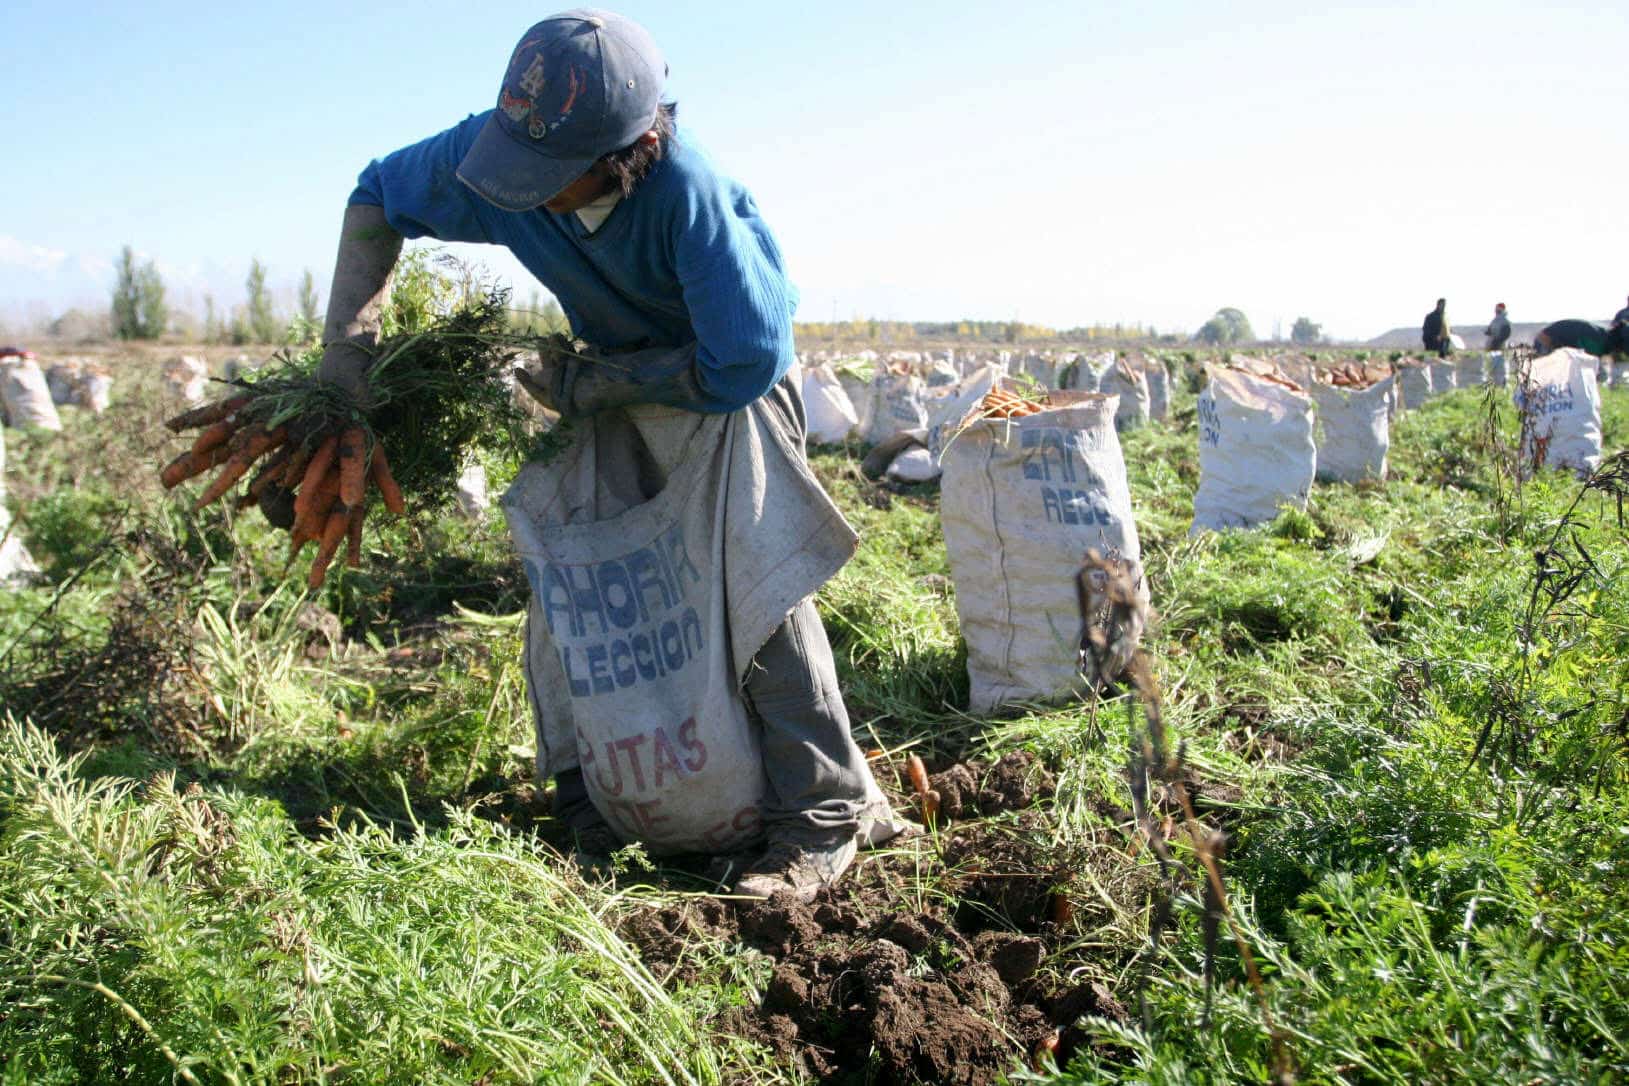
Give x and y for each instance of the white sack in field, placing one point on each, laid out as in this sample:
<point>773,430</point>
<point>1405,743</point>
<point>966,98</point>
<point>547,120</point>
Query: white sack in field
<point>1620,373</point>
<point>915,465</point>
<point>1444,376</point>
<point>62,380</point>
<point>1132,387</point>
<point>26,395</point>
<point>1564,398</point>
<point>898,402</point>
<point>96,391</point>
<point>1159,388</point>
<point>830,413</point>
<point>1471,371</point>
<point>471,494</point>
<point>1414,380</point>
<point>1355,431</point>
<point>186,378</point>
<point>1021,501</point>
<point>946,415</point>
<point>1255,451</point>
<point>1044,370</point>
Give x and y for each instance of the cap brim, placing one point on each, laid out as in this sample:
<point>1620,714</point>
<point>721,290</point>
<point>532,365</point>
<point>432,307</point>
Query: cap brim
<point>505,171</point>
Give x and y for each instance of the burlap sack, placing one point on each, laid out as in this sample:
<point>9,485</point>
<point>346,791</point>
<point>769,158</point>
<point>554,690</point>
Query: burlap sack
<point>1022,501</point>
<point>1256,451</point>
<point>1353,431</point>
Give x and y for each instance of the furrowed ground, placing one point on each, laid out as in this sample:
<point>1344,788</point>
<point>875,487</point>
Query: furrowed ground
<point>240,842</point>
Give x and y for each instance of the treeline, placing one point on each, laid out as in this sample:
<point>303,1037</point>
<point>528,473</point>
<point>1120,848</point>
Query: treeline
<point>970,331</point>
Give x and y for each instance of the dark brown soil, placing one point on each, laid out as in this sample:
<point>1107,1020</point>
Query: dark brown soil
<point>871,984</point>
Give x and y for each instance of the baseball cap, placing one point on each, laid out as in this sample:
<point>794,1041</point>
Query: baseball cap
<point>1501,305</point>
<point>579,85</point>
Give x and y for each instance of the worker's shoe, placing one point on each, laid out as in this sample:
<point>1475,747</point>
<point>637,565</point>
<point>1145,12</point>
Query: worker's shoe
<point>800,868</point>
<point>592,846</point>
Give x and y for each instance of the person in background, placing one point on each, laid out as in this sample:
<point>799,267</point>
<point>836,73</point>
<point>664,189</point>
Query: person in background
<point>1499,330</point>
<point>1586,336</point>
<point>1435,332</point>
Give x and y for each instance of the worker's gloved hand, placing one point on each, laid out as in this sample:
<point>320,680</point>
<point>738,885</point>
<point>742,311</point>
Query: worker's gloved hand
<point>595,381</point>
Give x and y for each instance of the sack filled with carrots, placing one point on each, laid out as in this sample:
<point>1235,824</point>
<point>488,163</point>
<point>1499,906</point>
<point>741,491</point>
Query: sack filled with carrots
<point>313,460</point>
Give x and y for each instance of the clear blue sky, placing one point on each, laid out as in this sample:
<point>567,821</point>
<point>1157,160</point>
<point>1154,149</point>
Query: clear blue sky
<point>1057,162</point>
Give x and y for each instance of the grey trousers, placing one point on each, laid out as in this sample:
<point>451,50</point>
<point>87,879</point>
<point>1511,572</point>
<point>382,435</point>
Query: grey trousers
<point>815,774</point>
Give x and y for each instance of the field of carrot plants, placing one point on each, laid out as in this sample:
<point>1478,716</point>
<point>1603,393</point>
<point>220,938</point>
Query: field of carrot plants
<point>250,833</point>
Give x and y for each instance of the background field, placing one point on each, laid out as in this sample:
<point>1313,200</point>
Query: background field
<point>246,840</point>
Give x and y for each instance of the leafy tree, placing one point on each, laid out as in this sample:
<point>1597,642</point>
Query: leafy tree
<point>308,298</point>
<point>1227,327</point>
<point>261,323</point>
<point>139,311</point>
<point>1306,332</point>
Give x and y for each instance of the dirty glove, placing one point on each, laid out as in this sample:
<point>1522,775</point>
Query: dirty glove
<point>368,248</point>
<point>580,386</point>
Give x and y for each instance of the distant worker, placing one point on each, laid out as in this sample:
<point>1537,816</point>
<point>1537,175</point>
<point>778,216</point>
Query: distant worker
<point>1435,331</point>
<point>1499,331</point>
<point>1586,336</point>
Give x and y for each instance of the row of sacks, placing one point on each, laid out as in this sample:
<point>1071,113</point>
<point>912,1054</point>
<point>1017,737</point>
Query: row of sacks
<point>1264,438</point>
<point>908,408</point>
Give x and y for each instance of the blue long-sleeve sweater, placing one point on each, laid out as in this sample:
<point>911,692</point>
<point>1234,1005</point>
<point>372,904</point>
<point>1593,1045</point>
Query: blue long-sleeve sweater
<point>686,258</point>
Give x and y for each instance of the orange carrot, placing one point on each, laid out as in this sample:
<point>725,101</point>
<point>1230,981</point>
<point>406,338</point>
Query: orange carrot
<point>295,471</point>
<point>353,548</point>
<point>208,413</point>
<point>187,465</point>
<point>271,469</point>
<point>240,462</point>
<point>353,448</point>
<point>321,461</point>
<point>213,435</point>
<point>386,482</point>
<point>319,503</point>
<point>918,774</point>
<point>332,533</point>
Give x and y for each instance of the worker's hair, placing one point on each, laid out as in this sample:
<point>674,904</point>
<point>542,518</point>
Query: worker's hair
<point>634,162</point>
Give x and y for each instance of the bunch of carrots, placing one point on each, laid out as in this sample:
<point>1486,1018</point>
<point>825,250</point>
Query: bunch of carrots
<point>998,403</point>
<point>326,474</point>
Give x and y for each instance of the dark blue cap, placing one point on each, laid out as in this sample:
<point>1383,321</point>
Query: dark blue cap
<point>580,85</point>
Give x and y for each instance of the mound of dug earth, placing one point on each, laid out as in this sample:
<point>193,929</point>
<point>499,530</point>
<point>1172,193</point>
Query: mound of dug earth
<point>870,986</point>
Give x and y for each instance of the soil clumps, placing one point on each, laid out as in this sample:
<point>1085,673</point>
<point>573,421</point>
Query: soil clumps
<point>877,982</point>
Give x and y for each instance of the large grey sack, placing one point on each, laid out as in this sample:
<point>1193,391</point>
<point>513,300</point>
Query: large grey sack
<point>1354,431</point>
<point>1444,377</point>
<point>1414,381</point>
<point>1561,392</point>
<point>1131,386</point>
<point>1159,388</point>
<point>640,632</point>
<point>1256,451</point>
<point>1021,502</point>
<point>27,396</point>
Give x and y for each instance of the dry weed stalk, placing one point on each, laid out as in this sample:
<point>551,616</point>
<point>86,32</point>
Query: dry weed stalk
<point>1105,588</point>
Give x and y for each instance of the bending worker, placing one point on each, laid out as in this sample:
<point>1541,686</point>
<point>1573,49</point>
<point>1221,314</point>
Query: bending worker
<point>667,268</point>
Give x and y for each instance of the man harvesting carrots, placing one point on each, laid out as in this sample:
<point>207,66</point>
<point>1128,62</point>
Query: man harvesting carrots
<point>683,687</point>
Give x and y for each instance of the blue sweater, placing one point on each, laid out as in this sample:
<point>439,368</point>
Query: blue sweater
<point>686,258</point>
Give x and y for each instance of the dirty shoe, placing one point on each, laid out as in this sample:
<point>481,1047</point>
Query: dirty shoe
<point>801,868</point>
<point>592,846</point>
